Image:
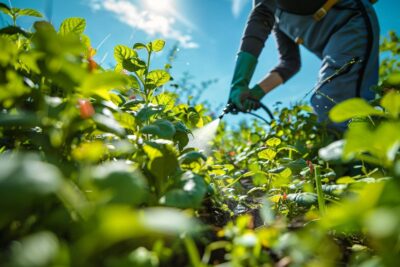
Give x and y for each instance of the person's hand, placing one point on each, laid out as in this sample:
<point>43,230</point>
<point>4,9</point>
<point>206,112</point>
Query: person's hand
<point>238,97</point>
<point>252,98</point>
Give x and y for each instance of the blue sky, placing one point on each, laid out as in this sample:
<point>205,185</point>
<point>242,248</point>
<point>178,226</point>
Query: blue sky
<point>208,32</point>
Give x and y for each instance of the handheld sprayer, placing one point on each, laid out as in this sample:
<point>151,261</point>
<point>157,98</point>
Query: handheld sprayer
<point>231,108</point>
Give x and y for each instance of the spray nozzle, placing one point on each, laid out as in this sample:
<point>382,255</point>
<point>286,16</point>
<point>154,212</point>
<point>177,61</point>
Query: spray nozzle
<point>229,108</point>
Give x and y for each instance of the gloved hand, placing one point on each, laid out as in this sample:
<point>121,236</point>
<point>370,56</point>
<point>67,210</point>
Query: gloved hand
<point>252,98</point>
<point>244,70</point>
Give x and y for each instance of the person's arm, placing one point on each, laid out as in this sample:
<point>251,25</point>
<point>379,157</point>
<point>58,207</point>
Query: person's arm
<point>289,62</point>
<point>259,26</point>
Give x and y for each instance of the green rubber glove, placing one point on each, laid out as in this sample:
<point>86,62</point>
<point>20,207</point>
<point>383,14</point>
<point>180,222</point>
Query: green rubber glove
<point>253,97</point>
<point>244,70</point>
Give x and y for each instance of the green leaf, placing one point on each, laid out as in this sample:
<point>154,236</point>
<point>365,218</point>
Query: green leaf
<point>122,52</point>
<point>24,178</point>
<point>147,112</point>
<point>156,45</point>
<point>121,183</point>
<point>191,156</point>
<point>108,125</point>
<point>267,154</point>
<point>102,83</point>
<point>163,159</point>
<point>182,135</point>
<point>73,25</point>
<point>162,128</point>
<point>391,103</point>
<point>139,46</point>
<point>303,199</point>
<point>23,120</point>
<point>11,30</point>
<point>381,143</point>
<point>5,9</point>
<point>29,12</point>
<point>36,250</point>
<point>158,77</point>
<point>8,53</point>
<point>189,193</point>
<point>355,107</point>
<point>393,79</point>
<point>274,142</point>
<point>345,180</point>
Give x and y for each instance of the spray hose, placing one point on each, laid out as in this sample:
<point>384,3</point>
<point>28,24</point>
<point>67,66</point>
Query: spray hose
<point>231,108</point>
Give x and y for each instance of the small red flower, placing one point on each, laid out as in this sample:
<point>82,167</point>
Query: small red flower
<point>284,196</point>
<point>86,109</point>
<point>232,153</point>
<point>132,97</point>
<point>311,166</point>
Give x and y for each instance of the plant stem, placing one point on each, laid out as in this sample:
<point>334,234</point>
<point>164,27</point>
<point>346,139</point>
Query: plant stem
<point>320,193</point>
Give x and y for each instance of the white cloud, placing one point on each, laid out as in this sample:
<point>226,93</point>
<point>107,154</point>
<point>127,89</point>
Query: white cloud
<point>151,23</point>
<point>237,6</point>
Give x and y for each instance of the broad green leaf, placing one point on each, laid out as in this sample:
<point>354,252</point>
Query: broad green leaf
<point>345,180</point>
<point>102,83</point>
<point>108,125</point>
<point>139,46</point>
<point>303,199</point>
<point>349,109</point>
<point>89,152</point>
<point>126,120</point>
<point>267,154</point>
<point>163,159</point>
<point>156,45</point>
<point>391,103</point>
<point>189,192</point>
<point>158,77</point>
<point>394,79</point>
<point>182,135</point>
<point>147,112</point>
<point>382,143</point>
<point>121,182</point>
<point>191,156</point>
<point>166,99</point>
<point>117,223</point>
<point>5,9</point>
<point>24,178</point>
<point>23,120</point>
<point>10,30</point>
<point>73,25</point>
<point>162,128</point>
<point>296,165</point>
<point>334,189</point>
<point>9,51</point>
<point>29,12</point>
<point>122,52</point>
<point>44,27</point>
<point>36,250</point>
<point>274,142</point>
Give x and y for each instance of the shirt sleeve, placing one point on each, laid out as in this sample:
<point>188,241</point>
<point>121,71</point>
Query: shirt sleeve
<point>259,26</point>
<point>289,55</point>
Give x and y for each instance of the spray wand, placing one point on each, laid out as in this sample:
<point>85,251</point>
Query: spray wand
<point>231,108</point>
